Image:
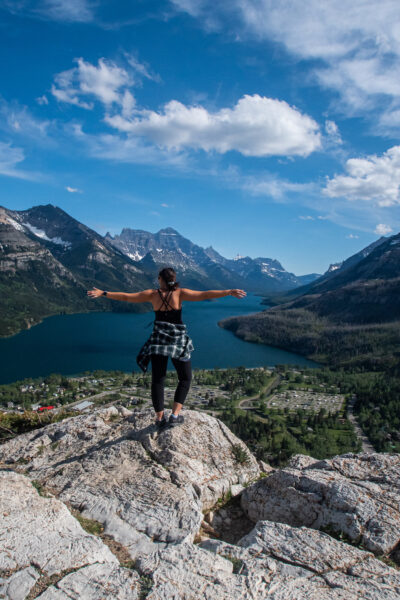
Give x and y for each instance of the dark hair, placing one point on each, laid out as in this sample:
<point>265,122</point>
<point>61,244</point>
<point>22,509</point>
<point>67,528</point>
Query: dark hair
<point>169,276</point>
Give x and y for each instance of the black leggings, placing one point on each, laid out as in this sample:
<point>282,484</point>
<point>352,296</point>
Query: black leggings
<point>159,370</point>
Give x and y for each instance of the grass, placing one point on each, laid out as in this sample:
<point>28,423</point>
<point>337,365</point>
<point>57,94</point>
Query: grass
<point>90,525</point>
<point>237,562</point>
<point>240,454</point>
<point>41,490</point>
<point>146,584</point>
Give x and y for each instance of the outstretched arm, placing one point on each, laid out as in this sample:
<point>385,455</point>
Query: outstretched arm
<point>143,296</point>
<point>195,296</point>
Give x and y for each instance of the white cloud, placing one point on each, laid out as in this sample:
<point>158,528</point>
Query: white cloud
<point>372,179</point>
<point>72,190</point>
<point>42,100</point>
<point>267,186</point>
<point>67,10</point>
<point>10,157</point>
<point>193,7</point>
<point>164,204</point>
<point>56,10</point>
<point>332,131</point>
<point>141,68</point>
<point>352,236</point>
<point>255,126</point>
<point>363,80</point>
<point>17,119</point>
<point>104,82</point>
<point>127,149</point>
<point>359,46</point>
<point>306,217</point>
<point>383,229</point>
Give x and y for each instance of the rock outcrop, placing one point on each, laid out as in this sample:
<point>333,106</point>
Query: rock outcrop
<point>40,538</point>
<point>151,492</point>
<point>277,561</point>
<point>145,488</point>
<point>354,494</point>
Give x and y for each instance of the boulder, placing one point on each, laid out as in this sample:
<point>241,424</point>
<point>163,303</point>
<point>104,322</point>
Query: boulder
<point>146,487</point>
<point>354,494</point>
<point>278,561</point>
<point>40,538</point>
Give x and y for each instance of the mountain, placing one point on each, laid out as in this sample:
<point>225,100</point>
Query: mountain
<point>201,267</point>
<point>334,269</point>
<point>352,315</point>
<point>48,261</point>
<point>366,291</point>
<point>99,506</point>
<point>81,249</point>
<point>33,283</point>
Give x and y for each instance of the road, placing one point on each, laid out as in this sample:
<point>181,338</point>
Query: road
<point>266,390</point>
<point>89,399</point>
<point>366,444</point>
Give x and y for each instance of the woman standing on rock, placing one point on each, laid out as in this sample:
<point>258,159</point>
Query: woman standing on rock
<point>169,338</point>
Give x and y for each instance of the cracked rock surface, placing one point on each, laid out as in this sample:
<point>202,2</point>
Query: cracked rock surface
<point>278,561</point>
<point>357,494</point>
<point>39,537</point>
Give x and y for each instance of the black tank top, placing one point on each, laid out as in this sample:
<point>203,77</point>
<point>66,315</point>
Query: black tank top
<point>171,315</point>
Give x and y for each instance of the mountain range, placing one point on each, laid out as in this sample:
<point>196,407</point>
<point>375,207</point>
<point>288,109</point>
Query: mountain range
<point>49,259</point>
<point>199,266</point>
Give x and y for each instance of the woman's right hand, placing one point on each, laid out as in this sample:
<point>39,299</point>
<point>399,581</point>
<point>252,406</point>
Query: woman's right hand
<point>238,293</point>
<point>94,293</point>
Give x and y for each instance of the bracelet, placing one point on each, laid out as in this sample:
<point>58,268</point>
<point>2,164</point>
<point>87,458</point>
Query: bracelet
<point>104,294</point>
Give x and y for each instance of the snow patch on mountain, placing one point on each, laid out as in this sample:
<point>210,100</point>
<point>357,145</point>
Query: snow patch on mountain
<point>15,224</point>
<point>41,234</point>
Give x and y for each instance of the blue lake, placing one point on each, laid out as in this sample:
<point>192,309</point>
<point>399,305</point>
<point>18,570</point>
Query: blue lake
<point>71,344</point>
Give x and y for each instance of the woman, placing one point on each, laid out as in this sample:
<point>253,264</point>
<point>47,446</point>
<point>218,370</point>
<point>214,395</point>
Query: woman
<point>169,337</point>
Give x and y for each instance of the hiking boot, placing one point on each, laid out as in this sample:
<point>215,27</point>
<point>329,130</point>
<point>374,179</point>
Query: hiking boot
<point>161,424</point>
<point>175,421</point>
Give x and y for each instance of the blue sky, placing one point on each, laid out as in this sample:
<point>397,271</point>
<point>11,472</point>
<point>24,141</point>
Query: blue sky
<point>260,128</point>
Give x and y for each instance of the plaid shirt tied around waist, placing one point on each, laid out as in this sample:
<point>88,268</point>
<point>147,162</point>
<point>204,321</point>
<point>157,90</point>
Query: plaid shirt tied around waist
<point>169,339</point>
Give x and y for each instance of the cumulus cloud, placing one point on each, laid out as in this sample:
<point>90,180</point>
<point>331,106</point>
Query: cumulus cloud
<point>255,126</point>
<point>72,190</point>
<point>382,229</point>
<point>104,82</point>
<point>372,179</point>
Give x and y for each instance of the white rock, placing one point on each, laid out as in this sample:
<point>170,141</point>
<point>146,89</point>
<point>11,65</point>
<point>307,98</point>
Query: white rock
<point>358,494</point>
<point>39,537</point>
